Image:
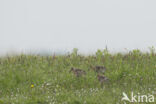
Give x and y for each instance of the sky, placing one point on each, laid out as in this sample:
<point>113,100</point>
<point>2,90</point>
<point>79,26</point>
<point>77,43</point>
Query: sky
<point>37,25</point>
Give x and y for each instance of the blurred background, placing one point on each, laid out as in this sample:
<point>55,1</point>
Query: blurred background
<point>61,25</point>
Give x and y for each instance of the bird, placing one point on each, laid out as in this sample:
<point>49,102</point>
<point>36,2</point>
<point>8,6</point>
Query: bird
<point>102,78</point>
<point>99,69</point>
<point>77,72</point>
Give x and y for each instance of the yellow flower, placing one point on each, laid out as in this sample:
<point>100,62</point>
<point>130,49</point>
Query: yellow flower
<point>32,86</point>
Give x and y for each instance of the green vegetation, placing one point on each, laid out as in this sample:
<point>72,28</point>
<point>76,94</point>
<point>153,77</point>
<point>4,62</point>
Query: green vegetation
<point>35,79</point>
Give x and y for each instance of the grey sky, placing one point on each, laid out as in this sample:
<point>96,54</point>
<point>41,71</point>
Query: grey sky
<point>84,24</point>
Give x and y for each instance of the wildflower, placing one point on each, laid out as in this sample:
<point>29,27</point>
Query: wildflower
<point>32,86</point>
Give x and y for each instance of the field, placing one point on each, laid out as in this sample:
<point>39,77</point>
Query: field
<point>36,79</point>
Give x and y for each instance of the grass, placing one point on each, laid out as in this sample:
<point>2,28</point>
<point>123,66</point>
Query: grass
<point>35,79</point>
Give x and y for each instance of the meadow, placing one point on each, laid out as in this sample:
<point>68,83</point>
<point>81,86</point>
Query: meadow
<point>36,79</point>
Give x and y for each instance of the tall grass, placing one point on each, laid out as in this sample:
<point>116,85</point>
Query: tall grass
<point>53,84</point>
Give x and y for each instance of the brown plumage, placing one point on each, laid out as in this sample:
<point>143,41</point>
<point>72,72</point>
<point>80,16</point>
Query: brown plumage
<point>99,69</point>
<point>77,72</point>
<point>102,78</point>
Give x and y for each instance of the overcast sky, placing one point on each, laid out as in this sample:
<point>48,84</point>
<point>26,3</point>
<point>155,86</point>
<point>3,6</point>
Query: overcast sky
<point>84,24</point>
